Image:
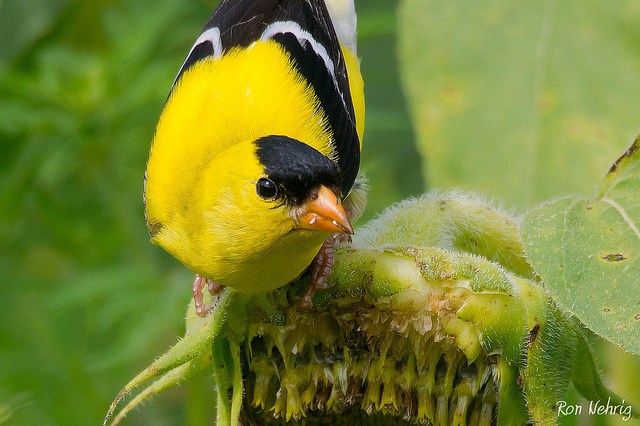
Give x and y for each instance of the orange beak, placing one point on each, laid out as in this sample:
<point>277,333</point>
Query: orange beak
<point>323,212</point>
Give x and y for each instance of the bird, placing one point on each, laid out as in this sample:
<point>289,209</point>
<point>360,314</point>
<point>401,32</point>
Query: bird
<point>253,168</point>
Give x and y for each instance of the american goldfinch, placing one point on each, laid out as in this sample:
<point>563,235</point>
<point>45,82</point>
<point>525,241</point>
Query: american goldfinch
<point>258,145</point>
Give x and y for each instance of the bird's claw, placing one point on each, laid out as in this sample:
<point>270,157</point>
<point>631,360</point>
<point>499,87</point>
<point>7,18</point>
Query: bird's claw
<point>214,288</point>
<point>320,269</point>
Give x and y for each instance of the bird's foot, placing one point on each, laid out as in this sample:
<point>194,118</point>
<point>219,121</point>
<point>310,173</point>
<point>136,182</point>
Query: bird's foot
<point>198,284</point>
<point>320,269</point>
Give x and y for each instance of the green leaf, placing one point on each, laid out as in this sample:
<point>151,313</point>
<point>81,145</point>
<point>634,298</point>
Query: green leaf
<point>523,100</point>
<point>587,251</point>
<point>586,377</point>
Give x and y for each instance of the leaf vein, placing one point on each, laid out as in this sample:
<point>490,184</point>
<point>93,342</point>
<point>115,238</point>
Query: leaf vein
<point>622,213</point>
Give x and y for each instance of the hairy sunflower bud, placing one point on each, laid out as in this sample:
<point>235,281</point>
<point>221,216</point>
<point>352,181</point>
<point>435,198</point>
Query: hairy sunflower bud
<point>390,345</point>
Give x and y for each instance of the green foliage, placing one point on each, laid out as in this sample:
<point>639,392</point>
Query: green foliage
<point>390,157</point>
<point>587,251</point>
<point>522,100</point>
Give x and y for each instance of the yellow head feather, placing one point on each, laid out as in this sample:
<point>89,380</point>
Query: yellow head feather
<point>242,96</point>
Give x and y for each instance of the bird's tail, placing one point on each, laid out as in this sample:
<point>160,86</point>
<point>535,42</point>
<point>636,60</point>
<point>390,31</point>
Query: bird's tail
<point>343,16</point>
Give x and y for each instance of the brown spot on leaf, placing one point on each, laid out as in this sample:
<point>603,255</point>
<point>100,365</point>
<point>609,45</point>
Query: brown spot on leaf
<point>519,381</point>
<point>637,316</point>
<point>607,310</point>
<point>614,257</point>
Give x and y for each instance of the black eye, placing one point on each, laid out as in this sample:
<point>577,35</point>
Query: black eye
<point>266,189</point>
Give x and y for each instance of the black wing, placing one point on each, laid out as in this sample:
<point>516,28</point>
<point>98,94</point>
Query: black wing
<point>304,29</point>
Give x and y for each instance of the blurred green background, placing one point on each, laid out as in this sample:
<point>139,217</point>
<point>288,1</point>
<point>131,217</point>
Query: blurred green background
<point>86,301</point>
